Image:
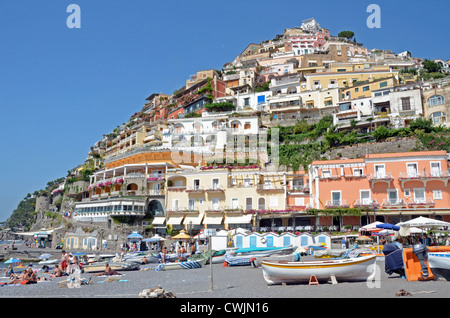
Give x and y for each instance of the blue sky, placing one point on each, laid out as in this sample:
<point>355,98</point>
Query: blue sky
<point>61,89</point>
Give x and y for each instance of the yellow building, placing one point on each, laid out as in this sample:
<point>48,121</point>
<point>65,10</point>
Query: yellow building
<point>364,88</point>
<point>344,76</point>
<point>222,197</point>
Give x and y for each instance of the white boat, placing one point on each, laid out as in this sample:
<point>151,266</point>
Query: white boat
<point>245,256</point>
<point>181,265</point>
<point>439,263</point>
<point>98,267</point>
<point>350,269</point>
<point>257,261</point>
<point>49,262</point>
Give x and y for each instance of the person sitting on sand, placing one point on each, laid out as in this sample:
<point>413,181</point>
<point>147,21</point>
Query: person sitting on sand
<point>108,271</point>
<point>20,279</point>
<point>144,260</point>
<point>57,272</point>
<point>31,277</point>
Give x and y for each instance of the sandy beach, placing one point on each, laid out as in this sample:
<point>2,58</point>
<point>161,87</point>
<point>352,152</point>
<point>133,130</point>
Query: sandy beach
<point>228,282</point>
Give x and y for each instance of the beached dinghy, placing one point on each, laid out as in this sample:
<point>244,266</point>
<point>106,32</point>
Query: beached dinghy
<point>181,265</point>
<point>117,266</point>
<point>440,264</point>
<point>350,269</point>
<point>244,256</point>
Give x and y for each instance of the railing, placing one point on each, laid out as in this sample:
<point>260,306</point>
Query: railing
<point>366,203</point>
<point>183,210</point>
<point>134,175</point>
<point>437,175</point>
<point>156,192</point>
<point>425,202</point>
<point>334,204</point>
<point>381,176</point>
<point>262,188</point>
<point>182,188</point>
<point>410,175</point>
<point>215,188</point>
<point>299,189</point>
<point>195,189</point>
<point>393,203</point>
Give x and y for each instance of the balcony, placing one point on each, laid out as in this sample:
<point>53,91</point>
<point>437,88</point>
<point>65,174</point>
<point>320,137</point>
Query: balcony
<point>215,188</point>
<point>393,203</point>
<point>195,189</point>
<point>421,203</point>
<point>299,189</point>
<point>366,204</point>
<point>183,211</point>
<point>156,192</point>
<point>177,189</point>
<point>271,188</point>
<point>424,176</point>
<point>380,177</point>
<point>336,204</point>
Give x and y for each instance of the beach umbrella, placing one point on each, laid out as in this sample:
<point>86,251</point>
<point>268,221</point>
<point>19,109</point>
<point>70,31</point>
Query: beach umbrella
<point>363,238</point>
<point>13,260</point>
<point>388,226</point>
<point>182,235</point>
<point>423,222</point>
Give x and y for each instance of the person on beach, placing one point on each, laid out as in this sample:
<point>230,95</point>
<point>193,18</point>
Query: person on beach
<point>31,277</point>
<point>108,271</point>
<point>19,279</point>
<point>64,260</point>
<point>193,249</point>
<point>10,272</point>
<point>181,252</point>
<point>164,253</point>
<point>57,272</point>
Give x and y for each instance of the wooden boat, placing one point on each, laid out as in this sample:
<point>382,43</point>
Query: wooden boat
<point>257,261</point>
<point>439,263</point>
<point>99,267</point>
<point>412,266</point>
<point>349,269</point>
<point>243,257</point>
<point>181,265</point>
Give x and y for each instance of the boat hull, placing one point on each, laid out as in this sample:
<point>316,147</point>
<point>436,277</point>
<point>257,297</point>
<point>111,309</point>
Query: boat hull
<point>98,268</point>
<point>348,270</point>
<point>440,264</point>
<point>181,265</point>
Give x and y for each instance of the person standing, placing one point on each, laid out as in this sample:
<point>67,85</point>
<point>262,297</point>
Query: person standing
<point>343,243</point>
<point>64,262</point>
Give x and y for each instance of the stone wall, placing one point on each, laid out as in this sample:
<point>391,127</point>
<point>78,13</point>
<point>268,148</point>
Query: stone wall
<point>356,151</point>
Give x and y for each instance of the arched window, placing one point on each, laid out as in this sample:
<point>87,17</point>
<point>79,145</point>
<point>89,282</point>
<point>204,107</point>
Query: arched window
<point>438,118</point>
<point>435,100</point>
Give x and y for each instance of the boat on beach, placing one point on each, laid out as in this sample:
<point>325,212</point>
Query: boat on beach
<point>181,265</point>
<point>439,263</point>
<point>244,256</point>
<point>98,267</point>
<point>348,270</point>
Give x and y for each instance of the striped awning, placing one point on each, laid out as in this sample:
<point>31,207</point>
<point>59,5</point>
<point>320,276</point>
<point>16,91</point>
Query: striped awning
<point>196,220</point>
<point>242,219</point>
<point>159,220</point>
<point>175,220</point>
<point>209,220</point>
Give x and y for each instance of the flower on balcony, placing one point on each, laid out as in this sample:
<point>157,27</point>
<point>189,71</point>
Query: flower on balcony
<point>176,189</point>
<point>101,184</point>
<point>118,181</point>
<point>107,183</point>
<point>268,211</point>
<point>155,179</point>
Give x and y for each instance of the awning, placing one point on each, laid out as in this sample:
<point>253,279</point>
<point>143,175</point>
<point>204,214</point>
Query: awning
<point>242,219</point>
<point>196,220</point>
<point>159,220</point>
<point>209,220</point>
<point>175,220</point>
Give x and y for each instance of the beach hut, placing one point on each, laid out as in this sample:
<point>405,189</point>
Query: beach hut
<point>287,239</point>
<point>270,239</point>
<point>323,238</point>
<point>304,240</point>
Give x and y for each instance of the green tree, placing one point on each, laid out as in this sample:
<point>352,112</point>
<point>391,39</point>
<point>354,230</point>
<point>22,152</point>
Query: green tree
<point>431,67</point>
<point>346,34</point>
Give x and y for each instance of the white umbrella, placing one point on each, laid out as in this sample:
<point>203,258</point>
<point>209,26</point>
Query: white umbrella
<point>423,222</point>
<point>371,226</point>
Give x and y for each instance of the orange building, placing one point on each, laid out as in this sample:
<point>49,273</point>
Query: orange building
<point>391,187</point>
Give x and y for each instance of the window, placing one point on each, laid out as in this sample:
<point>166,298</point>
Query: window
<point>247,101</point>
<point>234,203</point>
<point>438,118</point>
<point>248,203</point>
<point>267,184</point>
<point>419,195</point>
<point>261,204</point>
<point>364,196</point>
<point>357,172</point>
<point>380,172</point>
<point>247,125</point>
<point>345,106</point>
<point>191,205</point>
<point>196,184</point>
<point>437,194</point>
<point>273,202</point>
<point>407,192</point>
<point>336,197</point>
<point>411,169</point>
<point>326,173</point>
<point>435,169</point>
<point>435,100</point>
<point>392,197</point>
<point>383,84</point>
<point>366,88</point>
<point>215,184</point>
<point>247,182</point>
<point>175,204</point>
<point>215,204</point>
<point>406,103</point>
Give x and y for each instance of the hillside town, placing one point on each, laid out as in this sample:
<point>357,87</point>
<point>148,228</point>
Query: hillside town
<point>208,154</point>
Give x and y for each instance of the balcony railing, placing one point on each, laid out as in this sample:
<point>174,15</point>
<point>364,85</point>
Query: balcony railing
<point>381,177</point>
<point>437,175</point>
<point>175,189</point>
<point>424,202</point>
<point>271,188</point>
<point>366,203</point>
<point>215,188</point>
<point>410,175</point>
<point>299,189</point>
<point>393,203</point>
<point>335,204</point>
<point>184,210</point>
<point>195,189</point>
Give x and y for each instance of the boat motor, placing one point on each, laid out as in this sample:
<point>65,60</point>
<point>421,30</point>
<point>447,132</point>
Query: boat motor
<point>420,250</point>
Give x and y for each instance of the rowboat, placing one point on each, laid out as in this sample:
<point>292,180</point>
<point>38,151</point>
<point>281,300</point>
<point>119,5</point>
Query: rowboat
<point>257,261</point>
<point>350,269</point>
<point>49,262</point>
<point>244,256</point>
<point>181,265</point>
<point>117,266</point>
<point>440,264</point>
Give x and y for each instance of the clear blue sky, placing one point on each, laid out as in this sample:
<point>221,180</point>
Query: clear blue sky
<point>61,89</point>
